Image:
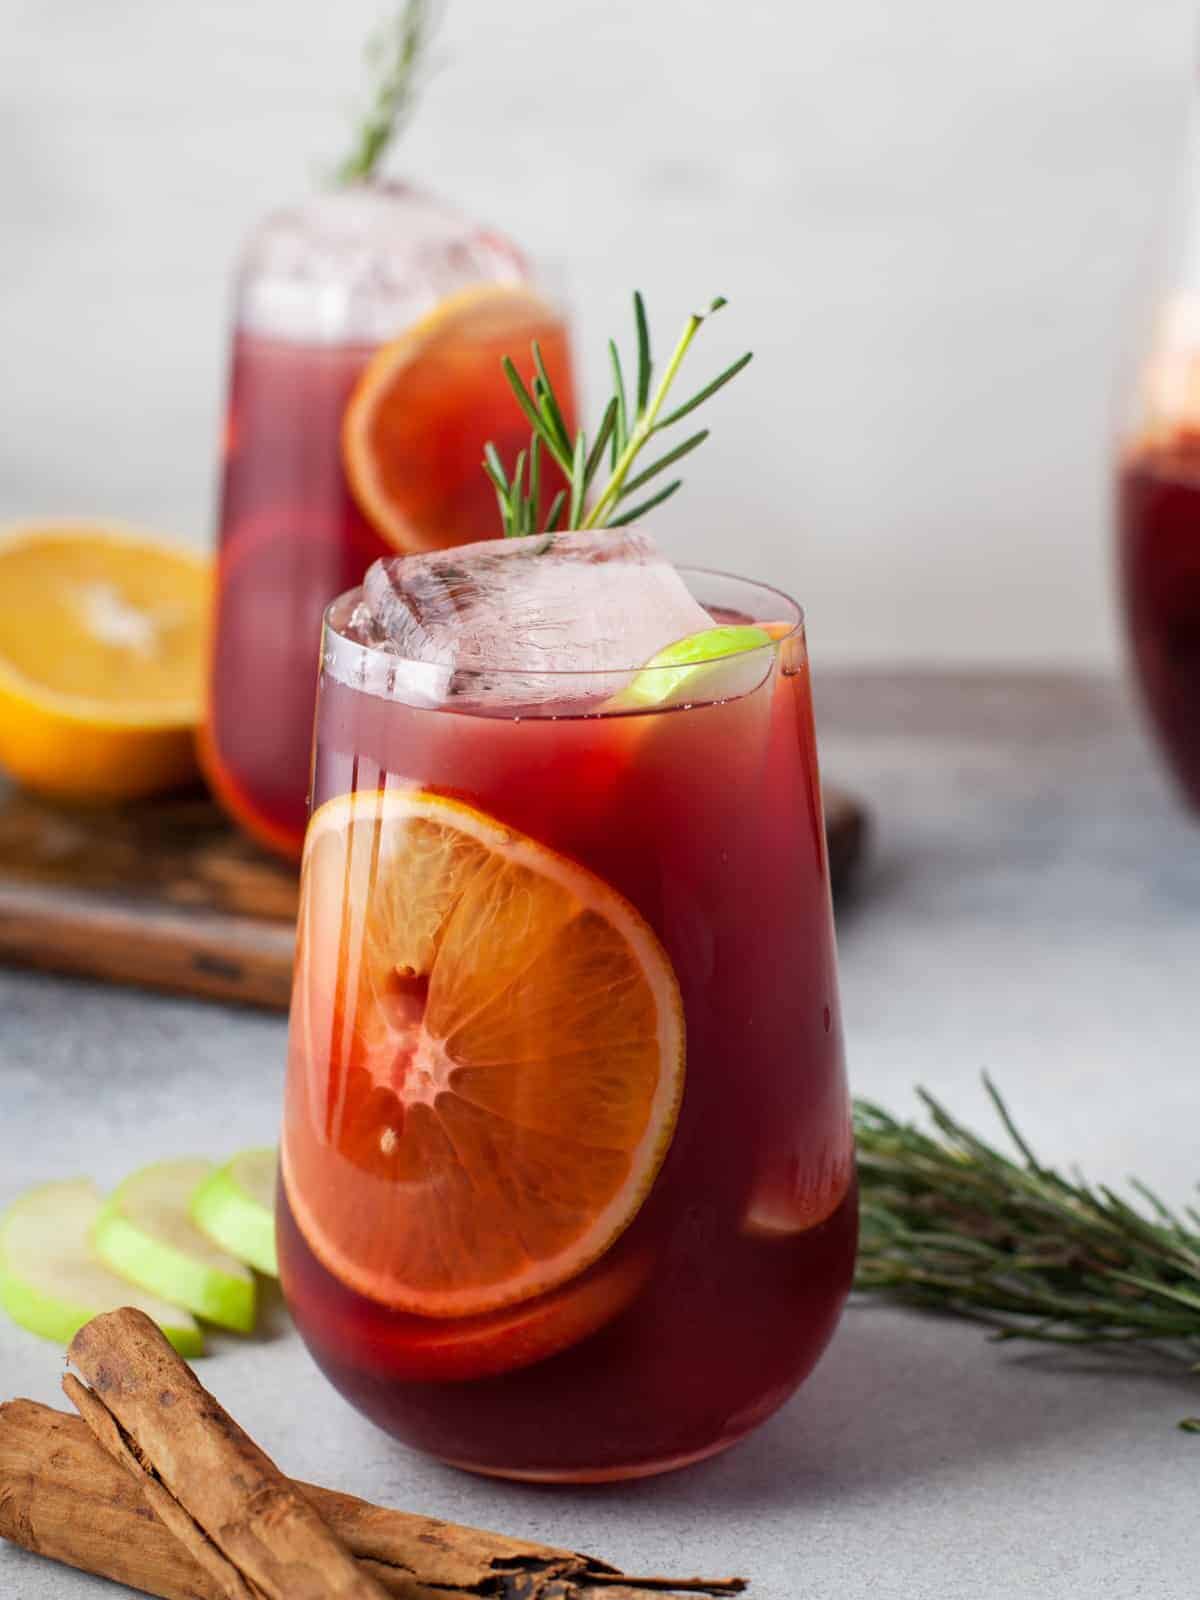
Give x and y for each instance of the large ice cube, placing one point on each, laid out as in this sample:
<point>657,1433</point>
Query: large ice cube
<point>362,262</point>
<point>496,618</point>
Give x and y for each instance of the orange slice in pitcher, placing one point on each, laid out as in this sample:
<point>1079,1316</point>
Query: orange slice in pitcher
<point>427,403</point>
<point>488,1060</point>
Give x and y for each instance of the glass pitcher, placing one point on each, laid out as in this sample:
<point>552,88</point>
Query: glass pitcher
<point>368,330</point>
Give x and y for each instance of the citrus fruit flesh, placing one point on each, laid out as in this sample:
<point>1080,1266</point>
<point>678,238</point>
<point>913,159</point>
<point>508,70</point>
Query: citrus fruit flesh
<point>410,1349</point>
<point>51,1281</point>
<point>803,1191</point>
<point>463,1348</point>
<point>427,403</point>
<point>488,1057</point>
<point>101,660</point>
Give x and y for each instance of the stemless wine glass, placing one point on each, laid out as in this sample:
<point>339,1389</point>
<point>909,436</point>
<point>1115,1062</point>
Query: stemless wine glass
<point>1158,499</point>
<point>567,1185</point>
<point>369,327</point>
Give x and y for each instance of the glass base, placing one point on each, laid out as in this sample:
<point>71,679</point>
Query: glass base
<point>636,1469</point>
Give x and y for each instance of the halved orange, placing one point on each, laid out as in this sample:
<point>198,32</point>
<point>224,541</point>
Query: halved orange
<point>427,403</point>
<point>488,1057</point>
<point>101,659</point>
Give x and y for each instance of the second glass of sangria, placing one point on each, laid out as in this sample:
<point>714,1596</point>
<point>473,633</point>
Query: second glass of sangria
<point>1158,509</point>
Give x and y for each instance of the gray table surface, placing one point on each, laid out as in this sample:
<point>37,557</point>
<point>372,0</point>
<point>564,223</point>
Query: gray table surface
<point>1031,906</point>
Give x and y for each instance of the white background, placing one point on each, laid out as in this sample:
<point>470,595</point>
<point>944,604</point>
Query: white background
<point>931,218</point>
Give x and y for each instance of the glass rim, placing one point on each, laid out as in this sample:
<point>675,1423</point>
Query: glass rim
<point>792,609</point>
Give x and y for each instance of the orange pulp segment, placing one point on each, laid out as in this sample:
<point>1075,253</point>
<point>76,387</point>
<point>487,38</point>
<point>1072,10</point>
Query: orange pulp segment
<point>803,1191</point>
<point>427,403</point>
<point>459,1349</point>
<point>101,659</point>
<point>488,1057</point>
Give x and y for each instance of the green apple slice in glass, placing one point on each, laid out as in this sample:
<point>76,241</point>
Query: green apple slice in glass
<point>146,1233</point>
<point>51,1281</point>
<point>235,1208</point>
<point>716,664</point>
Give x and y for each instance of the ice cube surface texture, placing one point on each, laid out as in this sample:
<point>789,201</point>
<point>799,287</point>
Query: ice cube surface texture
<point>595,604</point>
<point>361,264</point>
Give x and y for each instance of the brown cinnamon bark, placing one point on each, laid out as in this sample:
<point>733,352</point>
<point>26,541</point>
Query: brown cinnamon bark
<point>221,1496</point>
<point>63,1497</point>
<point>226,1581</point>
<point>61,1494</point>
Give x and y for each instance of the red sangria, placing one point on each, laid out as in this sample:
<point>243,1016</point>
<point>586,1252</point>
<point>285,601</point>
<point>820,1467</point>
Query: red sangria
<point>365,381</point>
<point>1159,512</point>
<point>567,1171</point>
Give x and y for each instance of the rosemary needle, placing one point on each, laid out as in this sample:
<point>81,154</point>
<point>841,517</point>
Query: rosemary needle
<point>953,1224</point>
<point>622,436</point>
<point>394,54</point>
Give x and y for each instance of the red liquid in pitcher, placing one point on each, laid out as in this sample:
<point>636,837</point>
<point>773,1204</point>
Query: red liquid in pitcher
<point>717,1300</point>
<point>1159,507</point>
<point>293,537</point>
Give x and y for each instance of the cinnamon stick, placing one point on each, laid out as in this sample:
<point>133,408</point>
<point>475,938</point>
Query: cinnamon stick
<point>222,1497</point>
<point>64,1498</point>
<point>227,1583</point>
<point>63,1495</point>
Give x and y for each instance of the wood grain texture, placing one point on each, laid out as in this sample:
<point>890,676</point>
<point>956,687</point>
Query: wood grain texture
<point>167,895</point>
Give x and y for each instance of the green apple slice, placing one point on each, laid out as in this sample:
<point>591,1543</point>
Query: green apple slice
<point>706,666</point>
<point>52,1283</point>
<point>146,1233</point>
<point>235,1208</point>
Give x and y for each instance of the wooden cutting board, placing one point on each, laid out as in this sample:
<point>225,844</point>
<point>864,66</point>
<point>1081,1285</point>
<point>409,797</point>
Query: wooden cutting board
<point>167,895</point>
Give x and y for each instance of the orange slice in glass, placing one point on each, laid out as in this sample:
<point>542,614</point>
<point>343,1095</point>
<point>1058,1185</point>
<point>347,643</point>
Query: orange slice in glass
<point>408,1349</point>
<point>488,1057</point>
<point>805,1189</point>
<point>427,403</point>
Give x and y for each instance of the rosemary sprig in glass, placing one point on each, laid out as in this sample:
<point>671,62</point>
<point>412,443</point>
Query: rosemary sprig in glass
<point>952,1224</point>
<point>626,428</point>
<point>394,53</point>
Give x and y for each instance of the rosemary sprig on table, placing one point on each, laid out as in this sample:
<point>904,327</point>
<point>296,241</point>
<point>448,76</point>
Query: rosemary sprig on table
<point>627,426</point>
<point>394,53</point>
<point>952,1224</point>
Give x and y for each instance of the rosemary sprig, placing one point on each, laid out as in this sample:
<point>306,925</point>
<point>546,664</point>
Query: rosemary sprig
<point>953,1224</point>
<point>621,436</point>
<point>394,53</point>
